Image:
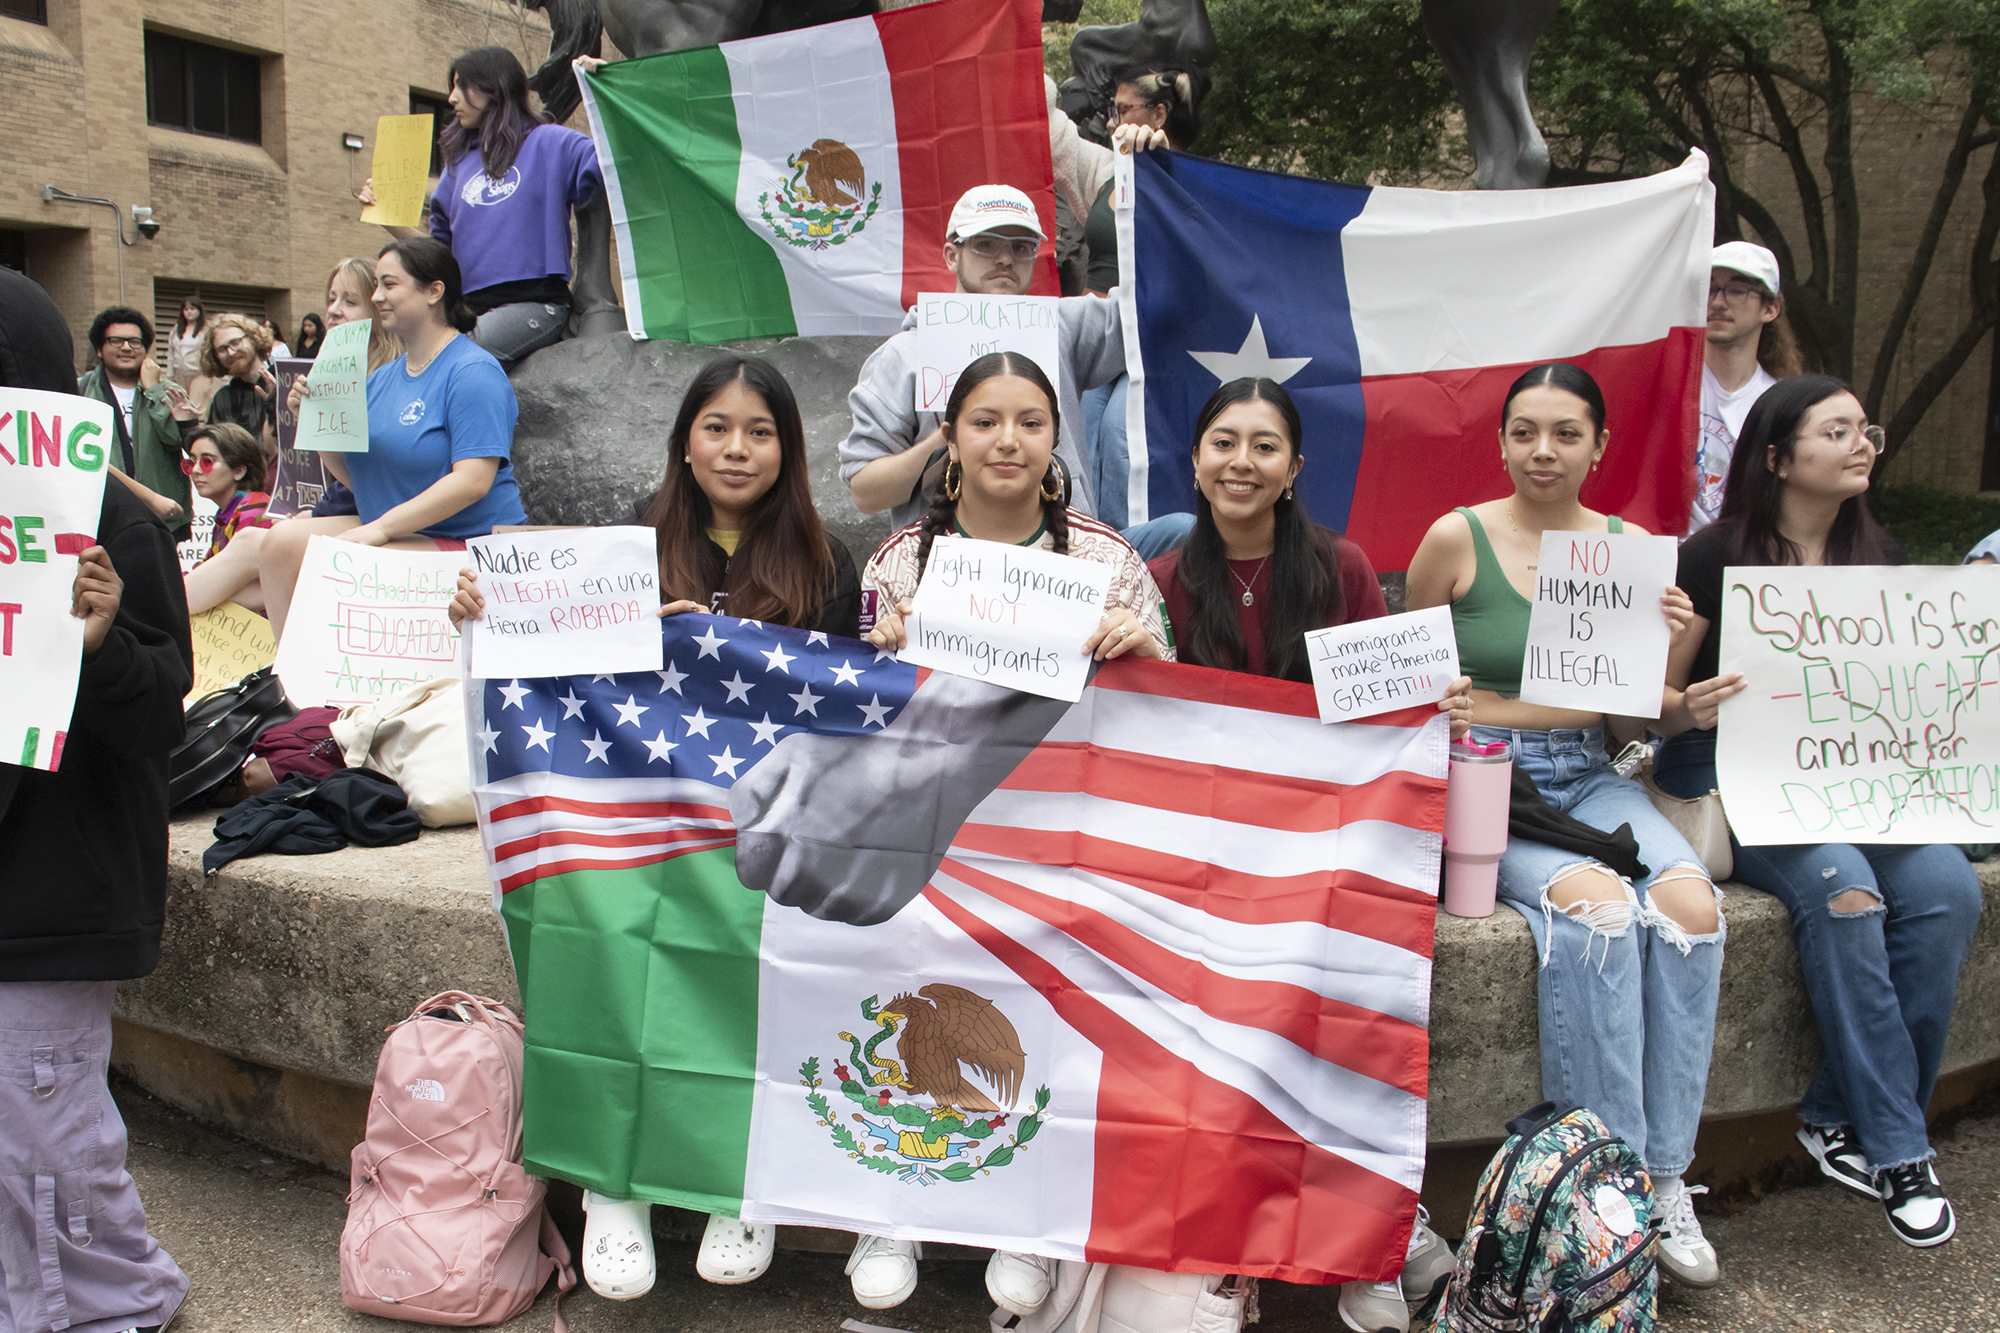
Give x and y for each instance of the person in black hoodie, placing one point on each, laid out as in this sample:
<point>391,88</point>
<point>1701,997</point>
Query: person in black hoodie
<point>83,870</point>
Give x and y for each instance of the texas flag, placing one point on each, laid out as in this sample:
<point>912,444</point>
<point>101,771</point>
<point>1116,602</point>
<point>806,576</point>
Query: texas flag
<point>1397,318</point>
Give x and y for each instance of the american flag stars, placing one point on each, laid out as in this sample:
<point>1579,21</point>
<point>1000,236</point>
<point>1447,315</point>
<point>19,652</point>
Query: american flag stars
<point>597,726</point>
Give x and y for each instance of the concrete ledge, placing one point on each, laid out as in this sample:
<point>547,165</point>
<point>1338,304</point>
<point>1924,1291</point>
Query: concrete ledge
<point>294,965</point>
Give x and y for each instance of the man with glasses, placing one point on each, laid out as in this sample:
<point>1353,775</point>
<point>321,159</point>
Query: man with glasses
<point>1749,349</point>
<point>150,412</point>
<point>894,456</point>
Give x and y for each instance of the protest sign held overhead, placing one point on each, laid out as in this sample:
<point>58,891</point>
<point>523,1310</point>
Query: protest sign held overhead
<point>1073,1071</point>
<point>367,621</point>
<point>402,170</point>
<point>1395,319</point>
<point>334,414</point>
<point>1008,615</point>
<point>1378,666</point>
<point>576,599</point>
<point>954,329</point>
<point>53,452</point>
<point>1597,638</point>
<point>230,642</point>
<point>801,182</point>
<point>1871,704</point>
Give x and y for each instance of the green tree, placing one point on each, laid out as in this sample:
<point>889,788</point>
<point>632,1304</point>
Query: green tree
<point>1625,87</point>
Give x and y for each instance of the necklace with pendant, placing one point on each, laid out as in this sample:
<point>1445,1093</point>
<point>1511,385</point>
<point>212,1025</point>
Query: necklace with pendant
<point>1249,598</point>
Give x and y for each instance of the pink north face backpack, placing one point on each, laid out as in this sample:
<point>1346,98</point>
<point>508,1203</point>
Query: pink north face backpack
<point>443,1225</point>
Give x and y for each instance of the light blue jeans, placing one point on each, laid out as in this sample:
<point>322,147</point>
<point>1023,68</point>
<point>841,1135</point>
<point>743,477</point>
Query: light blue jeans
<point>1627,995</point>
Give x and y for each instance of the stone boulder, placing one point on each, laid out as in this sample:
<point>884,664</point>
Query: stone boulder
<point>595,415</point>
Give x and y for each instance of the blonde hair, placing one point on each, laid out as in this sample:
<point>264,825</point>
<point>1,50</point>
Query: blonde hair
<point>383,346</point>
<point>260,341</point>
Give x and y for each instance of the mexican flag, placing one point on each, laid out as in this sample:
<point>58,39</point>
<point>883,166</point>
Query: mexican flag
<point>808,935</point>
<point>800,183</point>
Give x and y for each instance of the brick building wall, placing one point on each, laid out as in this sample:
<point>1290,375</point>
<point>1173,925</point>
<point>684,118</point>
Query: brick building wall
<point>273,216</point>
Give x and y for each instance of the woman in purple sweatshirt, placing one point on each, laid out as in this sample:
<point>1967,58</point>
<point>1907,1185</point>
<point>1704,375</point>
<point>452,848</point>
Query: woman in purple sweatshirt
<point>511,180</point>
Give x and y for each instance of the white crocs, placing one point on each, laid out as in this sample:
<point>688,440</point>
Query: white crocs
<point>734,1251</point>
<point>617,1246</point>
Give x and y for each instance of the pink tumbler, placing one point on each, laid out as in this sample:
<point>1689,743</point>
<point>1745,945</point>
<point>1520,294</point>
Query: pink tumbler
<point>1477,799</point>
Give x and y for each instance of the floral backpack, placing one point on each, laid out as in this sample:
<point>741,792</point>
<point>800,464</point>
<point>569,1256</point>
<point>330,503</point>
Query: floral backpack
<point>1560,1239</point>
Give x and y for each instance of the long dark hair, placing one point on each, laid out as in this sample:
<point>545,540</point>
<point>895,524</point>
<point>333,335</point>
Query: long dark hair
<point>1177,90</point>
<point>427,260</point>
<point>1305,563</point>
<point>312,332</point>
<point>1753,493</point>
<point>495,74</point>
<point>783,566</point>
<point>943,513</point>
<point>1558,375</point>
<point>180,318</point>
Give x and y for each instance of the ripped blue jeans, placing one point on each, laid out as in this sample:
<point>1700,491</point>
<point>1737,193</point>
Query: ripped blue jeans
<point>1882,978</point>
<point>1627,994</point>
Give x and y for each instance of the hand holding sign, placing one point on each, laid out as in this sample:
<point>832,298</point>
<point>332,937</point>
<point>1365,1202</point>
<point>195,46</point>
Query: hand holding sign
<point>401,170</point>
<point>557,603</point>
<point>1379,666</point>
<point>1598,635</point>
<point>954,329</point>
<point>333,411</point>
<point>1010,615</point>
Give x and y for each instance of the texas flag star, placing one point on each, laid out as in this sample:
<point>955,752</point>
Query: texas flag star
<point>778,658</point>
<point>846,674</point>
<point>806,701</point>
<point>698,723</point>
<point>660,748</point>
<point>874,711</point>
<point>711,644</point>
<point>538,738</point>
<point>572,706</point>
<point>1253,360</point>
<point>671,679</point>
<point>514,690</point>
<point>726,763</point>
<point>767,731</point>
<point>629,712</point>
<point>597,746</point>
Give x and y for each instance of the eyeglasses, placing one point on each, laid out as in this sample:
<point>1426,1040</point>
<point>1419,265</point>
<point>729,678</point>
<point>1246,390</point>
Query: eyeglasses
<point>134,343</point>
<point>1840,435</point>
<point>1734,292</point>
<point>225,348</point>
<point>989,248</point>
<point>1120,110</point>
<point>202,463</point>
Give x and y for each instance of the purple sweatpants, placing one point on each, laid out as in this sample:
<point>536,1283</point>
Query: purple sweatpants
<point>73,1239</point>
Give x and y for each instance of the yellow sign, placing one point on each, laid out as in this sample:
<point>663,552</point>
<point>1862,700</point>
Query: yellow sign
<point>230,642</point>
<point>402,170</point>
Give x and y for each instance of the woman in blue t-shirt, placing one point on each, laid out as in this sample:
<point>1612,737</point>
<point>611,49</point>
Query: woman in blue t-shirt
<point>503,203</point>
<point>440,429</point>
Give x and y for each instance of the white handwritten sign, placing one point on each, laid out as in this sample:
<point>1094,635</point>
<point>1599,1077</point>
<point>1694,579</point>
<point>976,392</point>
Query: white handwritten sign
<point>1871,707</point>
<point>201,532</point>
<point>334,415</point>
<point>558,603</point>
<point>1597,639</point>
<point>52,450</point>
<point>1379,666</point>
<point>1012,615</point>
<point>366,621</point>
<point>954,329</point>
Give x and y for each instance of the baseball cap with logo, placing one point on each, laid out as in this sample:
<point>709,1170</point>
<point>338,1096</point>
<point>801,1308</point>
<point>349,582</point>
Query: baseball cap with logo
<point>987,207</point>
<point>1752,261</point>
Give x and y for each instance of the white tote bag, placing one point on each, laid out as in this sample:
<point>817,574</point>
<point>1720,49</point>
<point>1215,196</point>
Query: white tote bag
<point>417,738</point>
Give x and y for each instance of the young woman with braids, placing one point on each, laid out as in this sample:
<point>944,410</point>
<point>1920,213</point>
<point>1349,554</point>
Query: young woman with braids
<point>737,534</point>
<point>1002,483</point>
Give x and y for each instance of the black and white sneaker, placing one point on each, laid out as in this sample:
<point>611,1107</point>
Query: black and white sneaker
<point>1838,1152</point>
<point>1918,1211</point>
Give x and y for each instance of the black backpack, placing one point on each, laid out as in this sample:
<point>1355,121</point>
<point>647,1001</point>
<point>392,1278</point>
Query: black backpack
<point>221,727</point>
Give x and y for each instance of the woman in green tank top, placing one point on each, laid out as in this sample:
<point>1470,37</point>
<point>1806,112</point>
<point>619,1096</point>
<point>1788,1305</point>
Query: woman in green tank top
<point>1627,1032</point>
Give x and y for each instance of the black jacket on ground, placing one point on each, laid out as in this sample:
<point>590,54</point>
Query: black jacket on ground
<point>83,850</point>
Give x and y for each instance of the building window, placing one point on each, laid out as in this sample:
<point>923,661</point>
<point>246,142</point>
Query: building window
<point>203,89</point>
<point>34,11</point>
<point>423,104</point>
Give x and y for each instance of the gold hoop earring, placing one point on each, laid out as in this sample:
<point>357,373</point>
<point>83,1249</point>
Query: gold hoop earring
<point>954,480</point>
<point>1053,477</point>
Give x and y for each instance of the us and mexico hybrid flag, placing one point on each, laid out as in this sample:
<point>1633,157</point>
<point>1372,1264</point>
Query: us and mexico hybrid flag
<point>801,183</point>
<point>1397,318</point>
<point>810,935</point>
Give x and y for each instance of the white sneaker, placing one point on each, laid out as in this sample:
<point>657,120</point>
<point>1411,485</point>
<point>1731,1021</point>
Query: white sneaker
<point>734,1251</point>
<point>1374,1307</point>
<point>1019,1283</point>
<point>1427,1264</point>
<point>617,1246</point>
<point>1685,1253</point>
<point>883,1272</point>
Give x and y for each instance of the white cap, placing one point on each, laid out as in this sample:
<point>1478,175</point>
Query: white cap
<point>986,207</point>
<point>1752,261</point>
